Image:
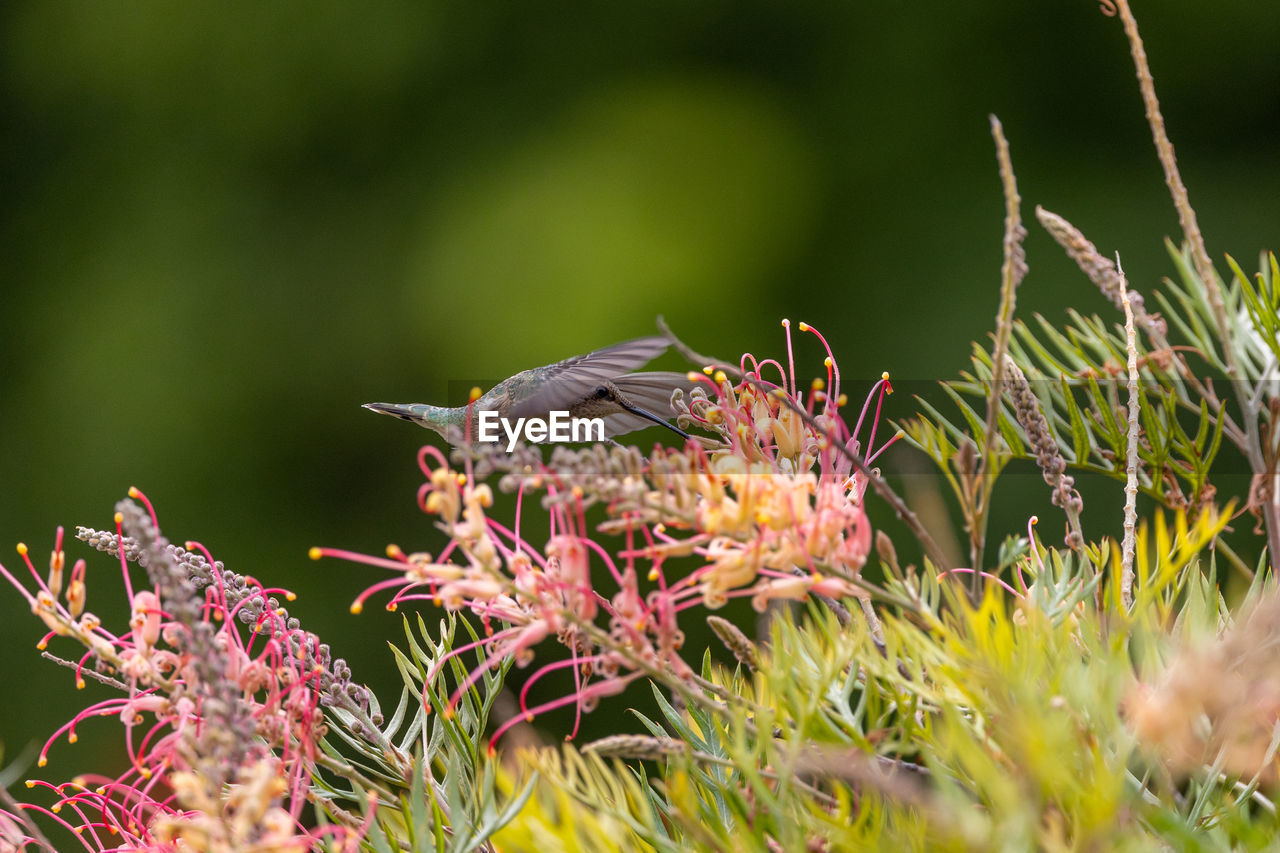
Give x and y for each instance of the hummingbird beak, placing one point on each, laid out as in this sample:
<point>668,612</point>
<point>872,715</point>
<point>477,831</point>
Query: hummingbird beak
<point>636,410</point>
<point>392,409</point>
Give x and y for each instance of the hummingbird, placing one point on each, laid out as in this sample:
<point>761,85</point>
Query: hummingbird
<point>595,385</point>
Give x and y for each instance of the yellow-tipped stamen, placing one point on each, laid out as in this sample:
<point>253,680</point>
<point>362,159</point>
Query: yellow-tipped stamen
<point>475,394</point>
<point>315,553</point>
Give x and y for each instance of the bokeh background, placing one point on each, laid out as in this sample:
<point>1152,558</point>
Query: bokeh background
<point>226,226</point>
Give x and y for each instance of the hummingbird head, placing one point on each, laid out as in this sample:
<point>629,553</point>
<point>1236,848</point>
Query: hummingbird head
<point>608,399</point>
<point>604,399</point>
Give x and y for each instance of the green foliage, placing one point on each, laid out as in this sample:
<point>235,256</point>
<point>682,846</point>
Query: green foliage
<point>995,725</point>
<point>444,795</point>
<point>1074,375</point>
<point>452,803</point>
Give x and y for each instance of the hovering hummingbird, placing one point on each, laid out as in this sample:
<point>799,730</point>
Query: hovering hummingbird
<point>595,385</point>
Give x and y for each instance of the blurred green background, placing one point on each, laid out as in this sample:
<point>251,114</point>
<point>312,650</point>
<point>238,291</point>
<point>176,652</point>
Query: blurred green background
<point>227,226</point>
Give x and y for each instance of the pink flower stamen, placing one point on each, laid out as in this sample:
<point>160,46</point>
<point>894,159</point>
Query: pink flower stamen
<point>574,661</point>
<point>986,575</point>
<point>791,358</point>
<point>124,563</point>
<point>892,441</point>
<point>434,452</point>
<point>833,371</point>
<point>593,691</point>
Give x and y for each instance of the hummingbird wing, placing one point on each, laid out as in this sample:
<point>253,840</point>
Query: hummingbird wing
<point>648,391</point>
<point>559,386</point>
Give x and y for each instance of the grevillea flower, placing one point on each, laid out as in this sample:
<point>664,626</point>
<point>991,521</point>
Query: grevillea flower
<point>221,726</point>
<point>771,505</point>
<point>781,493</point>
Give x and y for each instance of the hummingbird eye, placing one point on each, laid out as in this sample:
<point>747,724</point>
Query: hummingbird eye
<point>601,392</point>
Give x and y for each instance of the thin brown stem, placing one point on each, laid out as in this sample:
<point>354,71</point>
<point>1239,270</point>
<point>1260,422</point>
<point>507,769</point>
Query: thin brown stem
<point>1173,179</point>
<point>87,672</point>
<point>1012,272</point>
<point>691,355</point>
<point>1204,268</point>
<point>649,748</point>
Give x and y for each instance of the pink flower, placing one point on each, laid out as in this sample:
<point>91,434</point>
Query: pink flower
<point>221,726</point>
